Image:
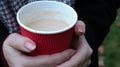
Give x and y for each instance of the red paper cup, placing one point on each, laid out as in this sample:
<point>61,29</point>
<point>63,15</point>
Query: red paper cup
<point>48,42</point>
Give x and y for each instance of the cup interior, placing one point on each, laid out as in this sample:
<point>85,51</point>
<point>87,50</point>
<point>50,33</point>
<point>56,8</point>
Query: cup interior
<point>46,10</point>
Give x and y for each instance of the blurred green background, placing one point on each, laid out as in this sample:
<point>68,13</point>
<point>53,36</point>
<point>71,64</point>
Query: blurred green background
<point>112,45</point>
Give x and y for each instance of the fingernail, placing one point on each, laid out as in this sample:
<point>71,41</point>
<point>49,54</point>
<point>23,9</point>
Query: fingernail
<point>80,29</point>
<point>30,46</point>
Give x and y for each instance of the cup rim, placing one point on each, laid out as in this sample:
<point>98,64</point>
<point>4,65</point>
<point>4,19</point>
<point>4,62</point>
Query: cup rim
<point>46,32</point>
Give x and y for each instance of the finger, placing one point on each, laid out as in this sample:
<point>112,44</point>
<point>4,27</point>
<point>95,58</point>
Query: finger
<point>19,42</point>
<point>74,61</point>
<point>80,28</point>
<point>50,60</point>
<point>62,57</point>
<point>83,53</point>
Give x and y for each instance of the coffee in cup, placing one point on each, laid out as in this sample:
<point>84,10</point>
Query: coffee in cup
<point>47,25</point>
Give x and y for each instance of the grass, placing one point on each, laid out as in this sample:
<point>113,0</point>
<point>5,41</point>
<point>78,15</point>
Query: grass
<point>112,45</point>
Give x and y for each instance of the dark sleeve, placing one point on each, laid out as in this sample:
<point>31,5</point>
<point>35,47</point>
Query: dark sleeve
<point>3,35</point>
<point>98,15</point>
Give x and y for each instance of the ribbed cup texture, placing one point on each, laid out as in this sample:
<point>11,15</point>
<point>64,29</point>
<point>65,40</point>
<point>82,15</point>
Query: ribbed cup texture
<point>49,43</point>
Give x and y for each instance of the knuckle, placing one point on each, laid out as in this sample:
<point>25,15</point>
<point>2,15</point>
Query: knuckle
<point>90,51</point>
<point>13,35</point>
<point>10,39</point>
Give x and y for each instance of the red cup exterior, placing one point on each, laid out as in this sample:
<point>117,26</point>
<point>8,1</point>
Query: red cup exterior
<point>49,43</point>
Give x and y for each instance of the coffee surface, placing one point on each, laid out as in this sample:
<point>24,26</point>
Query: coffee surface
<point>47,25</point>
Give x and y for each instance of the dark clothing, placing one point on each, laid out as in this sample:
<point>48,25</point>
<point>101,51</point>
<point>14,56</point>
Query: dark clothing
<point>98,15</point>
<point>3,34</point>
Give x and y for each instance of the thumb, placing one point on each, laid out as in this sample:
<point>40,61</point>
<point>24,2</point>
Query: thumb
<point>80,28</point>
<point>18,42</point>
